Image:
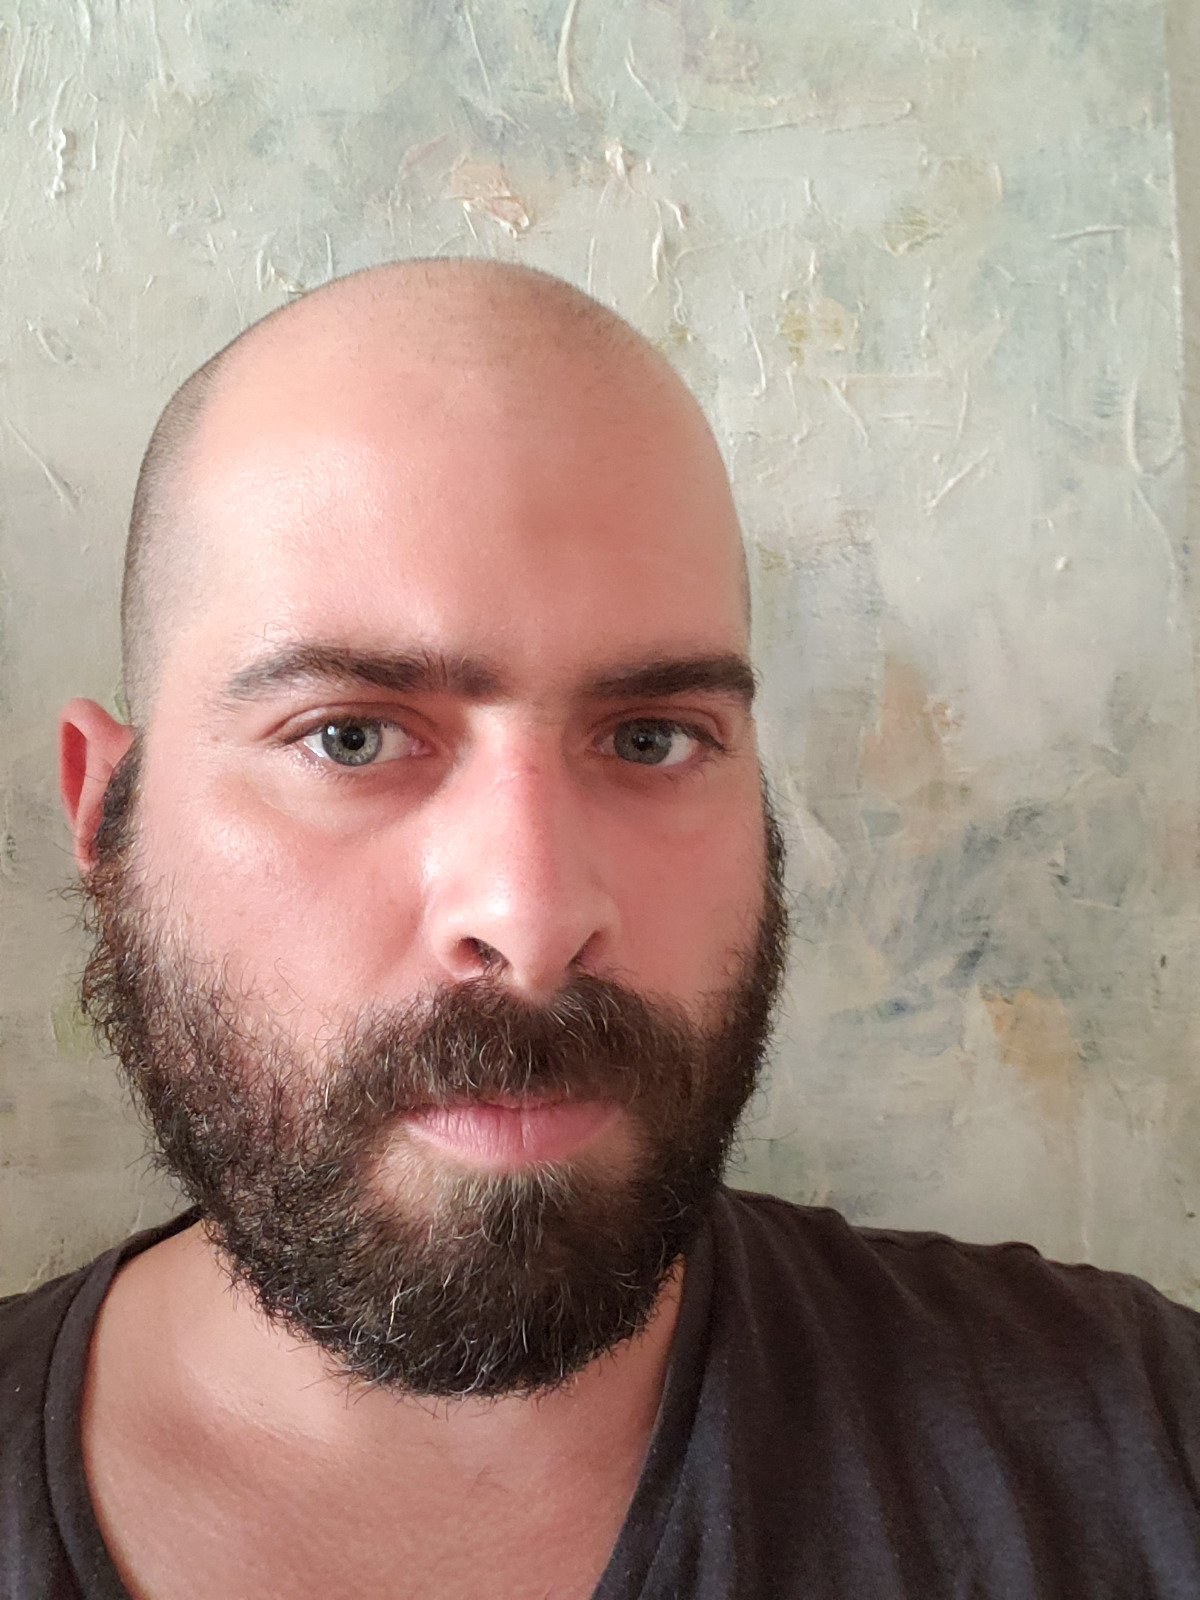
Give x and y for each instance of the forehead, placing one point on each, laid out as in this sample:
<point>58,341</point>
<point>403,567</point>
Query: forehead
<point>535,519</point>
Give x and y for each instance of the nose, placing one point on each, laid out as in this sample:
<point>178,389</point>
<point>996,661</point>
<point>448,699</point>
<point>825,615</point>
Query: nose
<point>515,881</point>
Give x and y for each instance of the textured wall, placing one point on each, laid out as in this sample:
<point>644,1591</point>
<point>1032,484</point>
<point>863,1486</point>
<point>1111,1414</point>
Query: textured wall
<point>918,259</point>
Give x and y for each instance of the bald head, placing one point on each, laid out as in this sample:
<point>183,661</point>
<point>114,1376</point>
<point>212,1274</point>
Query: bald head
<point>398,341</point>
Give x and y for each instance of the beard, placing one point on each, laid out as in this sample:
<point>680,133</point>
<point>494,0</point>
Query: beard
<point>427,1277</point>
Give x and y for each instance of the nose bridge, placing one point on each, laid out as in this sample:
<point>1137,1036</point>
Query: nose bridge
<point>533,813</point>
<point>514,884</point>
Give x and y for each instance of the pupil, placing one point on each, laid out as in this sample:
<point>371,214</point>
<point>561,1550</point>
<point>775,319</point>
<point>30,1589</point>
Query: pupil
<point>643,741</point>
<point>352,744</point>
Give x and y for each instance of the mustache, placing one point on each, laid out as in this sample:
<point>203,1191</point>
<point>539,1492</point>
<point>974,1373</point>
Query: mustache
<point>476,1042</point>
<point>470,1042</point>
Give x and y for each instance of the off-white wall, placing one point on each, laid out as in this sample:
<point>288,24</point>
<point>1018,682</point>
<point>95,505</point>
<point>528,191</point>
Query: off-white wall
<point>918,259</point>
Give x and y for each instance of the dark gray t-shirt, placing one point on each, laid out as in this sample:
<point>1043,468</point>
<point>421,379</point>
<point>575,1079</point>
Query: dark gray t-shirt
<point>849,1414</point>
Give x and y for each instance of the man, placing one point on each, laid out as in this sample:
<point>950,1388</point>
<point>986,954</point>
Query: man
<point>438,924</point>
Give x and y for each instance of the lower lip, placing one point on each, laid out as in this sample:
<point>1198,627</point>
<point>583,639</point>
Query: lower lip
<point>513,1136</point>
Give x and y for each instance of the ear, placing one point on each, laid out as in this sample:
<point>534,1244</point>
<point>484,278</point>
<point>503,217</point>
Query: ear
<point>90,744</point>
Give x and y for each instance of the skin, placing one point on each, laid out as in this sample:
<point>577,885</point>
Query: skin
<point>558,518</point>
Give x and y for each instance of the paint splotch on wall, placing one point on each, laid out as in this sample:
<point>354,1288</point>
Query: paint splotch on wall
<point>918,261</point>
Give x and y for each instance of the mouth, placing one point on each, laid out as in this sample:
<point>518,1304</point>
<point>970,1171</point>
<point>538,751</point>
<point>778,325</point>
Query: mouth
<point>508,1133</point>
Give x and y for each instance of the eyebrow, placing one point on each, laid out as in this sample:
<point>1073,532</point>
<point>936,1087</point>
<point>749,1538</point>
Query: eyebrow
<point>721,674</point>
<point>425,670</point>
<point>431,671</point>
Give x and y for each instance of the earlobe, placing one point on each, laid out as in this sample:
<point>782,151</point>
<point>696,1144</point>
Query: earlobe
<point>90,745</point>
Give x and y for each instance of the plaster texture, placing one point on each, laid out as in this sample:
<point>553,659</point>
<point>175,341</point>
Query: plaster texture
<point>919,260</point>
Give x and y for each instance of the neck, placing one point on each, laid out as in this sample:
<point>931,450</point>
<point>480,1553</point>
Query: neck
<point>242,1367</point>
<point>217,1444</point>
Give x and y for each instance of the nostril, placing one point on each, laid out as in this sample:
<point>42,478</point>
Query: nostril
<point>488,957</point>
<point>581,960</point>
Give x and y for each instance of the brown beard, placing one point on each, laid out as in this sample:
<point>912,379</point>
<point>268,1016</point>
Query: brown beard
<point>491,1283</point>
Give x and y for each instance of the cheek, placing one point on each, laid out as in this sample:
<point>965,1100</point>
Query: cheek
<point>690,903</point>
<point>314,919</point>
<point>302,916</point>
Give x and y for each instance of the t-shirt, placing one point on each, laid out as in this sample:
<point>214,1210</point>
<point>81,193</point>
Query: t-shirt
<point>849,1414</point>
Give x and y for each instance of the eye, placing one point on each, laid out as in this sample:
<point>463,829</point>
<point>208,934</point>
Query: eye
<point>359,741</point>
<point>653,743</point>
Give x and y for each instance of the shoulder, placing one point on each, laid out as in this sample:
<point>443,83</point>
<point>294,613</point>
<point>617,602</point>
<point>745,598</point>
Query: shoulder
<point>1000,1315</point>
<point>44,1339</point>
<point>29,1327</point>
<point>31,1555</point>
<point>940,1271</point>
<point>31,1323</point>
<point>987,1402</point>
<point>954,1325</point>
<point>931,1272</point>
